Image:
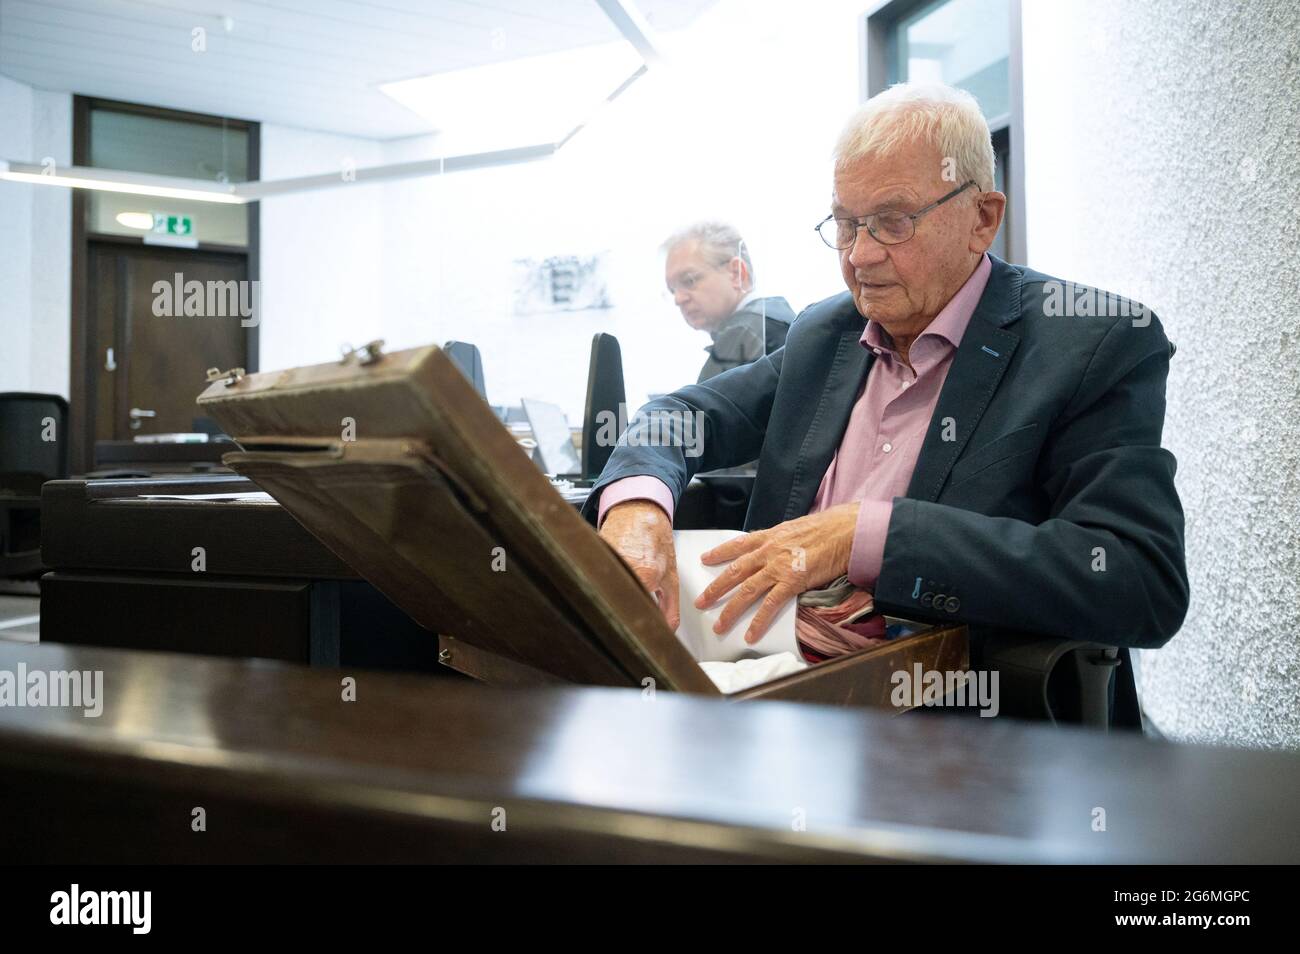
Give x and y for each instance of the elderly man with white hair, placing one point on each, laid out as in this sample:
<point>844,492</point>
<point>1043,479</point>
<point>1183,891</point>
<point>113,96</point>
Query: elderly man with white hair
<point>941,435</point>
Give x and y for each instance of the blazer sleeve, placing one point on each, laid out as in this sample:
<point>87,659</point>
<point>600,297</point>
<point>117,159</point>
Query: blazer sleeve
<point>1108,563</point>
<point>718,423</point>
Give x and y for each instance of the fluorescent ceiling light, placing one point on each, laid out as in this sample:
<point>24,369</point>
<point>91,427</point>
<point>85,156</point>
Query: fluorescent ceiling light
<point>115,180</point>
<point>533,99</point>
<point>172,187</point>
<point>440,165</point>
<point>135,220</point>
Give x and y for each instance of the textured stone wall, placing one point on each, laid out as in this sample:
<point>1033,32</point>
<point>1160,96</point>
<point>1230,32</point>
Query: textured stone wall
<point>1163,154</point>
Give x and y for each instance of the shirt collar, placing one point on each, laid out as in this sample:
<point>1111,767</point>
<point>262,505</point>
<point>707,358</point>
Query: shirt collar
<point>950,324</point>
<point>738,321</point>
<point>736,318</point>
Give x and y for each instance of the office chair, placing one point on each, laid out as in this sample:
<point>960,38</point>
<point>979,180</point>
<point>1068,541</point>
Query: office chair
<point>605,397</point>
<point>1060,681</point>
<point>469,359</point>
<point>33,449</point>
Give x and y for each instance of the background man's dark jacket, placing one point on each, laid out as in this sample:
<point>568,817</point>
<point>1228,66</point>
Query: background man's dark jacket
<point>757,329</point>
<point>1053,467</point>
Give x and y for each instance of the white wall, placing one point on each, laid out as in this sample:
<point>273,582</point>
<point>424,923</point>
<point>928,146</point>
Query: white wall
<point>35,243</point>
<point>51,244</point>
<point>1162,163</point>
<point>320,251</point>
<point>15,241</point>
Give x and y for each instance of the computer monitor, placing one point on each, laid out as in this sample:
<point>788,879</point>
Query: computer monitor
<point>555,451</point>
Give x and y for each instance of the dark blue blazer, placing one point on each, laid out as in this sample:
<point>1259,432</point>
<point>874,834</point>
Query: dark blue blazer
<point>1042,501</point>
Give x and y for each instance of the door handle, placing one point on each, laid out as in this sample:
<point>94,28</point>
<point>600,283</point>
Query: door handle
<point>139,415</point>
<point>109,363</point>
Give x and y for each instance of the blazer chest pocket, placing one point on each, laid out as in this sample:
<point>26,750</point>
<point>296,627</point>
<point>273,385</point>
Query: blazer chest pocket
<point>1020,441</point>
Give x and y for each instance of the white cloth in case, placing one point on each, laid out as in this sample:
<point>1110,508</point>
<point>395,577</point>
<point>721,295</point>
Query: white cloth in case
<point>734,676</point>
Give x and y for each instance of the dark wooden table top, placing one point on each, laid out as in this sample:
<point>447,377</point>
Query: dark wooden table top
<point>117,525</point>
<point>417,770</point>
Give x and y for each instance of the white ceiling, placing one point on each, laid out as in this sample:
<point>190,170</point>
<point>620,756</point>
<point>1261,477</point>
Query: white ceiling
<point>314,64</point>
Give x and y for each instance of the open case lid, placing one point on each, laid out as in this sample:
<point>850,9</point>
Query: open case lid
<point>401,469</point>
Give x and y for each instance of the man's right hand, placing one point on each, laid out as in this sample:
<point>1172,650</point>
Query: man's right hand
<point>642,535</point>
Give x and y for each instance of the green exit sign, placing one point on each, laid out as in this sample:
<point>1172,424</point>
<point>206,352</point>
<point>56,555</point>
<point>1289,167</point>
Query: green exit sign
<point>164,224</point>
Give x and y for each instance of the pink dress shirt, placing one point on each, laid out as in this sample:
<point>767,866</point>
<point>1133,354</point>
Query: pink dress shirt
<point>882,441</point>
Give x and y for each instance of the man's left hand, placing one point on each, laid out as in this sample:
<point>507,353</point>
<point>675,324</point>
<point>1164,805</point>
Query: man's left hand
<point>778,564</point>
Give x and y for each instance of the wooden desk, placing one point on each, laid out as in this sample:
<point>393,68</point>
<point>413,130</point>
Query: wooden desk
<point>286,771</point>
<point>121,578</point>
<point>162,458</point>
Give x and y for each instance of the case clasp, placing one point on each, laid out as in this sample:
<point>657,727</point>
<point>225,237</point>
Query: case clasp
<point>368,353</point>
<point>229,377</point>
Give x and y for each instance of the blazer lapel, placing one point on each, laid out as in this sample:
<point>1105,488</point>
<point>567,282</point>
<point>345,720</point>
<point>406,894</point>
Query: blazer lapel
<point>977,369</point>
<point>848,371</point>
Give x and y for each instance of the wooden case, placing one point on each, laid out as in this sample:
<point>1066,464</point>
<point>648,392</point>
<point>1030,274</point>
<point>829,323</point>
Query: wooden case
<point>400,468</point>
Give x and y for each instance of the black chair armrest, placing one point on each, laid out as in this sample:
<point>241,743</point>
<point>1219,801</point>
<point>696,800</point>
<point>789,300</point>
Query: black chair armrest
<point>20,537</point>
<point>1057,680</point>
<point>695,510</point>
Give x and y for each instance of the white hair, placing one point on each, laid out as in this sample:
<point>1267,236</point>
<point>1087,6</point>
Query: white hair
<point>943,116</point>
<point>720,242</point>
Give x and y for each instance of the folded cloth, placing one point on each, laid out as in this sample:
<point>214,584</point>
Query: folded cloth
<point>836,619</point>
<point>743,673</point>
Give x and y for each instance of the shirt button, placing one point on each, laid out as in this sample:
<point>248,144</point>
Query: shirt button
<point>876,350</point>
<point>887,447</point>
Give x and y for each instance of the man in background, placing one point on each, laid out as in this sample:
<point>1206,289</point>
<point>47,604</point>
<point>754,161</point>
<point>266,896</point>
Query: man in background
<point>711,278</point>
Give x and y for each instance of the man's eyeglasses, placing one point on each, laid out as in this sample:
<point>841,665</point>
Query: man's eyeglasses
<point>887,228</point>
<point>687,282</point>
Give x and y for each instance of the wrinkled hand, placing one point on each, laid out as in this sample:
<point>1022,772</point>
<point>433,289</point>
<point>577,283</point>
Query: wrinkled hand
<point>778,564</point>
<point>642,535</point>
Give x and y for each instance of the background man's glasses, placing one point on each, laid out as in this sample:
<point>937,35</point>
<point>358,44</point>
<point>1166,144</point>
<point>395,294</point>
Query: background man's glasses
<point>687,282</point>
<point>887,228</point>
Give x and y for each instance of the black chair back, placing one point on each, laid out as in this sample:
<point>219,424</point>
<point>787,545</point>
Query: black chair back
<point>605,396</point>
<point>33,441</point>
<point>469,359</point>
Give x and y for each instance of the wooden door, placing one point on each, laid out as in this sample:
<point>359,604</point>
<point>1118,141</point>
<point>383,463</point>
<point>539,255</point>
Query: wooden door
<point>148,362</point>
